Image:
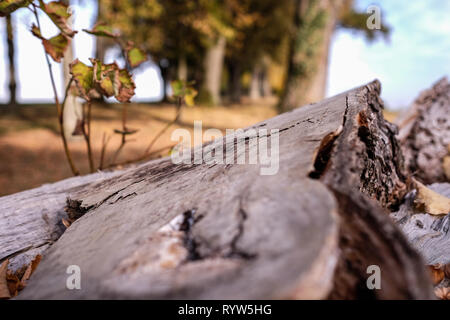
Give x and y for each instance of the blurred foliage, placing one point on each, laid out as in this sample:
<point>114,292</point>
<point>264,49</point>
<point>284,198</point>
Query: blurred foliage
<point>184,92</point>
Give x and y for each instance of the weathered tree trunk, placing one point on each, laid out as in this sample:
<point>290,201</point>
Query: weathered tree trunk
<point>308,72</point>
<point>11,61</point>
<point>425,137</point>
<point>314,86</point>
<point>213,70</point>
<point>429,234</point>
<point>425,134</point>
<point>165,230</point>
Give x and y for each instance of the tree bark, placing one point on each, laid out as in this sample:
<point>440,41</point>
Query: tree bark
<point>192,231</point>
<point>427,233</point>
<point>306,86</point>
<point>213,70</point>
<point>11,61</point>
<point>425,135</point>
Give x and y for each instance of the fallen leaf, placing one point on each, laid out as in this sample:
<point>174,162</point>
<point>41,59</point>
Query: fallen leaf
<point>442,293</point>
<point>4,291</point>
<point>14,285</point>
<point>65,223</point>
<point>30,269</point>
<point>430,201</point>
<point>437,273</point>
<point>447,270</point>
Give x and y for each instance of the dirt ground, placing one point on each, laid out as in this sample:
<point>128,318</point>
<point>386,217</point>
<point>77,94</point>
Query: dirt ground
<point>31,152</point>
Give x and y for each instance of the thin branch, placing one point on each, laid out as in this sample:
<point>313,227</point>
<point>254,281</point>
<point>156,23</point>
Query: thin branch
<point>87,134</point>
<point>124,133</point>
<point>105,141</point>
<point>143,157</point>
<point>66,94</point>
<point>59,107</point>
<point>163,130</point>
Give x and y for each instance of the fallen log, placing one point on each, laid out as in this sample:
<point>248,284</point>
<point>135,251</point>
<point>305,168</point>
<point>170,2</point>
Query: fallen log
<point>196,231</point>
<point>428,233</point>
<point>425,134</point>
<point>30,221</point>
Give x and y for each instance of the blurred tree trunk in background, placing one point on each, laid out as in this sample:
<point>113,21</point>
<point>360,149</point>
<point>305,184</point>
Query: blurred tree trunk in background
<point>182,68</point>
<point>315,85</point>
<point>164,69</point>
<point>259,84</point>
<point>314,22</point>
<point>255,83</point>
<point>235,85</point>
<point>213,72</point>
<point>73,108</point>
<point>11,61</point>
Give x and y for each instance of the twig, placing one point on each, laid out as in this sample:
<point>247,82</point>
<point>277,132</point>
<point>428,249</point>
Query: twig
<point>105,141</point>
<point>59,108</point>
<point>163,130</point>
<point>87,134</point>
<point>124,133</point>
<point>141,158</point>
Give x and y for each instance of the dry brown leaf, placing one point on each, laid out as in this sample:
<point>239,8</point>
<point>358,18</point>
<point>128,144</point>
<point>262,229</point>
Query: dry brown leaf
<point>4,291</point>
<point>30,269</point>
<point>65,223</point>
<point>14,285</point>
<point>430,201</point>
<point>442,293</point>
<point>437,273</point>
<point>447,270</point>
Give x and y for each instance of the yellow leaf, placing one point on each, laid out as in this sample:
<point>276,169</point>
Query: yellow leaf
<point>430,201</point>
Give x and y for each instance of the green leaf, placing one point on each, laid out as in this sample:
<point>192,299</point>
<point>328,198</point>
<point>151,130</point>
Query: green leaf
<point>9,6</point>
<point>177,88</point>
<point>102,29</point>
<point>184,90</point>
<point>135,56</point>
<point>55,46</point>
<point>59,13</point>
<point>84,78</point>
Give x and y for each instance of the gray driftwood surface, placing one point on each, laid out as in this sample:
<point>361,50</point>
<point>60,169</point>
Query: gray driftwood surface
<point>425,138</point>
<point>162,230</point>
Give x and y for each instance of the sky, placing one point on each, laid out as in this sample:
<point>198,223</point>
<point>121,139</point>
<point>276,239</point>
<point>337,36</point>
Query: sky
<point>416,55</point>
